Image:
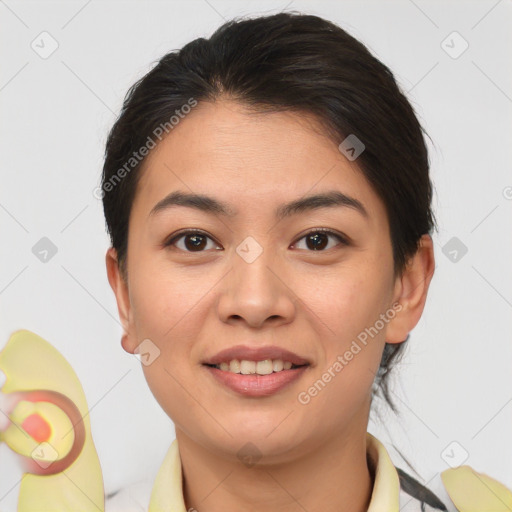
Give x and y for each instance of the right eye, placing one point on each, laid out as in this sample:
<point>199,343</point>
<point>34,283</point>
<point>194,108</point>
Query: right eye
<point>193,241</point>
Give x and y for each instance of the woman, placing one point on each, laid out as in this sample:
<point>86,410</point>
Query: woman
<point>268,198</point>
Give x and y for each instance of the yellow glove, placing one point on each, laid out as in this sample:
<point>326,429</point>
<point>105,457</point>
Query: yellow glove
<point>471,491</point>
<point>49,428</point>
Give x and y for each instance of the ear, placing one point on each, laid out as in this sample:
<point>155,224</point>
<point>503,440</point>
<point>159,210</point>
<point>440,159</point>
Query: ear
<point>411,291</point>
<point>121,292</point>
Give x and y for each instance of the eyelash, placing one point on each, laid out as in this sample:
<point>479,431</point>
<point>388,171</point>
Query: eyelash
<point>342,239</point>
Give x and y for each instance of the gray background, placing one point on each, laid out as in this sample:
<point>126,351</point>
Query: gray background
<point>454,385</point>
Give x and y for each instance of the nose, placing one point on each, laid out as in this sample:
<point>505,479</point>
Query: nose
<point>255,292</point>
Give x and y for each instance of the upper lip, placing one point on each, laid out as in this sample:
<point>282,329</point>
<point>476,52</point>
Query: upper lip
<point>245,352</point>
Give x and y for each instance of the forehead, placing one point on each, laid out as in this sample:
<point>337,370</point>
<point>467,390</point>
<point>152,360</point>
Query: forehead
<point>249,159</point>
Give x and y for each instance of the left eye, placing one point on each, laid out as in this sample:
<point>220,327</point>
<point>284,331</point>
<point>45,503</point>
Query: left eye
<point>317,240</point>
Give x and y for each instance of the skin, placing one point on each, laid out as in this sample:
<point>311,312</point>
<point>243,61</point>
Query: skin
<point>314,303</point>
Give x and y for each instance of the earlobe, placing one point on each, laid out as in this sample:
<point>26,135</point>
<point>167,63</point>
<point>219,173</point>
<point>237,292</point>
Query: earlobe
<point>411,291</point>
<point>120,289</point>
<point>126,344</point>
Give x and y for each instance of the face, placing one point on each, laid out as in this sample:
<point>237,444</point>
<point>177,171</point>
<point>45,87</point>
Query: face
<point>253,278</point>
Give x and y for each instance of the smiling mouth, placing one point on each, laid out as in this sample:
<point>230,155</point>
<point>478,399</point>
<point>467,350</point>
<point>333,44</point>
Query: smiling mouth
<point>256,368</point>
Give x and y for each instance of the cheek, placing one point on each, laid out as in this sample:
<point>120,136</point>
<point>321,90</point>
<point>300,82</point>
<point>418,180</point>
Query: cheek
<point>345,301</point>
<point>170,307</point>
<point>346,310</point>
<point>164,297</point>
<point>348,305</point>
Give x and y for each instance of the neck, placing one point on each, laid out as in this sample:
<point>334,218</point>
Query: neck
<point>333,477</point>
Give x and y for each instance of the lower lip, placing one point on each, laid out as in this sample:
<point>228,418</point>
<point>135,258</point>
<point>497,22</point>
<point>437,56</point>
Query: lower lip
<point>257,385</point>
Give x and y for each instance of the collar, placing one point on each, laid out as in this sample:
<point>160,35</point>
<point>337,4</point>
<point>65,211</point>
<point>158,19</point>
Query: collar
<point>167,493</point>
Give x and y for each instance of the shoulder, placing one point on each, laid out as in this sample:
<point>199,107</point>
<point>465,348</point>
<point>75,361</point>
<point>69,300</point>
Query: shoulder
<point>460,489</point>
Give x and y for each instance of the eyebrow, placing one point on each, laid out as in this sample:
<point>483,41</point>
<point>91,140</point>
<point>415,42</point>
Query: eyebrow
<point>207,204</point>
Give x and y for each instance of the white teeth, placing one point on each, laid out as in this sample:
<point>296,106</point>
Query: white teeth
<point>264,367</point>
<point>245,367</point>
<point>234,366</point>
<point>277,365</point>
